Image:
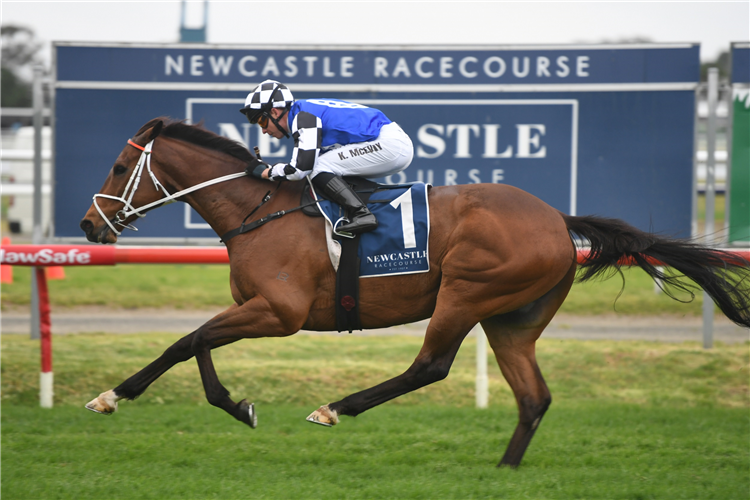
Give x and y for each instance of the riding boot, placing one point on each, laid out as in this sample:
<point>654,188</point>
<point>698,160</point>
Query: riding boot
<point>339,191</point>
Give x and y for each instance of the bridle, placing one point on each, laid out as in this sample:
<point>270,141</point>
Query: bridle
<point>128,209</point>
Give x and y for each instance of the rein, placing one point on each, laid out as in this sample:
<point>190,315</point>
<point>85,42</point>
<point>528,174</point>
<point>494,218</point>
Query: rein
<point>263,220</point>
<point>135,179</point>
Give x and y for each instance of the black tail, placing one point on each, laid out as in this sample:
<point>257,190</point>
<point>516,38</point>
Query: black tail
<point>723,275</point>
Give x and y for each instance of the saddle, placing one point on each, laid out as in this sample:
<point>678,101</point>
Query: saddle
<point>347,274</point>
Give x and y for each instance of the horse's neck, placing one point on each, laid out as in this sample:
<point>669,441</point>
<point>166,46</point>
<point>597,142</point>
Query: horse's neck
<point>224,205</point>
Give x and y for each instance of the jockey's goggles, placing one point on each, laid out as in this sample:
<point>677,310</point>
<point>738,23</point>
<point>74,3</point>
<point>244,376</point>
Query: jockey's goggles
<point>255,116</point>
<point>261,120</point>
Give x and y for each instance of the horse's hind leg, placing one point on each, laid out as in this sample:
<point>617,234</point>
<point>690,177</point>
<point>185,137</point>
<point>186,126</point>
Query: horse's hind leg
<point>513,337</point>
<point>446,331</point>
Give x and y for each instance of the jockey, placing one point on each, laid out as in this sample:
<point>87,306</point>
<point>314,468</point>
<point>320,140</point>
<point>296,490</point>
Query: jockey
<point>332,138</point>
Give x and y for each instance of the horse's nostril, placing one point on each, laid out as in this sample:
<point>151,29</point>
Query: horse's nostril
<point>87,226</point>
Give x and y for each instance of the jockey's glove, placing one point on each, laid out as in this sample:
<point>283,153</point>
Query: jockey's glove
<point>256,168</point>
<point>285,172</point>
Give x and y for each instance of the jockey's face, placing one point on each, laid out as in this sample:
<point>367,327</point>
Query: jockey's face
<point>271,128</point>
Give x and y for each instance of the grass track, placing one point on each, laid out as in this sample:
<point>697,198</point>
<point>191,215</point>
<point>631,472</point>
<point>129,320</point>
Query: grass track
<point>586,450</point>
<point>630,420</point>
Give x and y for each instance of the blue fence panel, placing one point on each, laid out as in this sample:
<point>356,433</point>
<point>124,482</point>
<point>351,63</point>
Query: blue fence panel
<point>590,130</point>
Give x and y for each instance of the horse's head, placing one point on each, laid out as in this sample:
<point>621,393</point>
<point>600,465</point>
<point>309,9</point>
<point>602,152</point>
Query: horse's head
<point>112,209</point>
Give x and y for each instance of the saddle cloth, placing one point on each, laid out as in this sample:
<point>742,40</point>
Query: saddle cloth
<point>399,245</point>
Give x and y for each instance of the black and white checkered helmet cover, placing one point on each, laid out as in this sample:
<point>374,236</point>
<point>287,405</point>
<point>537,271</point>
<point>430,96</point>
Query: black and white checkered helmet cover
<point>269,92</point>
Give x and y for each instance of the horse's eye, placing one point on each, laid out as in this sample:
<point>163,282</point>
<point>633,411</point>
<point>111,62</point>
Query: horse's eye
<point>120,169</point>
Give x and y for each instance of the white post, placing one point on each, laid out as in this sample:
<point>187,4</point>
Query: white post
<point>46,384</point>
<point>482,383</point>
<point>658,284</point>
<point>713,97</point>
<point>36,235</point>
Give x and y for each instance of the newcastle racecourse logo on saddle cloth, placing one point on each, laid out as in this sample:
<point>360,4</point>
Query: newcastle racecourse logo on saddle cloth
<point>400,243</point>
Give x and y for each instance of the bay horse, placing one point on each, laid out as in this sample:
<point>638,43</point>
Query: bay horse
<point>498,256</point>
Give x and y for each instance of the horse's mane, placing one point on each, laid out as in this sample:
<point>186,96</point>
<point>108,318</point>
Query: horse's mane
<point>197,134</point>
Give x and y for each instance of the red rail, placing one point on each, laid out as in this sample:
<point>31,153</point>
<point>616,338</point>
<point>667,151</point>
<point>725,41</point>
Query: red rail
<point>101,255</point>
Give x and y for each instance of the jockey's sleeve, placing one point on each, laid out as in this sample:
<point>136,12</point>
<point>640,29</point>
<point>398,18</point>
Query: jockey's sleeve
<point>307,130</point>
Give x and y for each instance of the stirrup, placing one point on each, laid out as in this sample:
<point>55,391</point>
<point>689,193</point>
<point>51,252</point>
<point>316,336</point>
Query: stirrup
<point>344,234</point>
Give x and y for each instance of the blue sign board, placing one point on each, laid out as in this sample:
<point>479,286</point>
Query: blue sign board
<point>604,130</point>
<point>741,62</point>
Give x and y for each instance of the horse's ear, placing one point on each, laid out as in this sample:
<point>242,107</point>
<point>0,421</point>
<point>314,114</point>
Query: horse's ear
<point>156,130</point>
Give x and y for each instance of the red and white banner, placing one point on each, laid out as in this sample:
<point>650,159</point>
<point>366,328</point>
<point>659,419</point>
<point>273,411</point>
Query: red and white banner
<point>100,255</point>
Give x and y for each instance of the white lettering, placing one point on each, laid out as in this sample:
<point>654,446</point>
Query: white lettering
<point>542,65</point>
<point>220,65</point>
<point>498,175</point>
<point>433,141</point>
<point>170,64</point>
<point>72,255</point>
<point>462,138</point>
<point>291,67</point>
<point>520,73</point>
<point>474,176</point>
<point>196,63</point>
<point>241,66</point>
<point>270,67</point>
<point>450,177</point>
<point>462,67</point>
<point>418,67</point>
<point>446,63</point>
<point>347,63</point>
<point>401,67</point>
<point>488,67</point>
<point>490,143</point>
<point>582,62</point>
<point>310,60</point>
<point>562,64</point>
<point>327,68</point>
<point>45,256</point>
<point>380,64</point>
<point>526,140</point>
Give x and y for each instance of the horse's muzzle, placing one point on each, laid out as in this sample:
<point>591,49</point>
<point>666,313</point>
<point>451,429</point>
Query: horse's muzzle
<point>103,235</point>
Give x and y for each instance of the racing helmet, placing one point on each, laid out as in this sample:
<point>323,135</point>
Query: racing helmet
<point>269,94</point>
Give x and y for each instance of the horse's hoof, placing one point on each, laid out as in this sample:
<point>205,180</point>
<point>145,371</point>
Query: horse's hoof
<point>252,417</point>
<point>105,403</point>
<point>324,416</point>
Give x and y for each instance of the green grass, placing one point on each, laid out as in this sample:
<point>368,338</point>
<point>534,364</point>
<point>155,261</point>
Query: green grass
<point>315,369</point>
<point>129,286</point>
<point>190,287</point>
<point>630,420</point>
<point>580,451</point>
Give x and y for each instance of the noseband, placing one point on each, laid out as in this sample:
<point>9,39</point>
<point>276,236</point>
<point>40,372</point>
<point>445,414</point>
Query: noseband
<point>132,186</point>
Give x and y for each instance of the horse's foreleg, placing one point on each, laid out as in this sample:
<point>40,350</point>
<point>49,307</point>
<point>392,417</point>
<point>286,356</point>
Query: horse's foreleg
<point>182,350</point>
<point>254,319</point>
<point>106,402</point>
